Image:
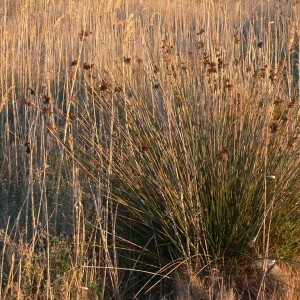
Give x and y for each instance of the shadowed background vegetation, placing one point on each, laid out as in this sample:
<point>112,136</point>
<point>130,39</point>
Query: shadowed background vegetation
<point>149,149</point>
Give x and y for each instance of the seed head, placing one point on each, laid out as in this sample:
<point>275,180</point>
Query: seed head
<point>118,89</point>
<point>74,63</point>
<point>32,91</point>
<point>223,154</point>
<point>51,126</point>
<point>28,148</point>
<point>274,127</point>
<point>29,102</point>
<point>145,146</point>
<point>201,31</point>
<point>46,111</point>
<point>260,44</point>
<point>127,60</point>
<point>87,66</point>
<point>236,39</point>
<point>84,34</point>
<point>47,99</point>
<point>155,69</point>
<point>292,103</point>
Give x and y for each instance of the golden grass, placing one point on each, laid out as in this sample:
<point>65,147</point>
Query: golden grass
<point>71,69</point>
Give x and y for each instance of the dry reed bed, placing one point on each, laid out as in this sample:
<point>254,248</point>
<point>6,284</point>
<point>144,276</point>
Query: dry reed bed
<point>140,142</point>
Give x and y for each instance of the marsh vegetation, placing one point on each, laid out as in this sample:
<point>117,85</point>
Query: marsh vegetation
<point>149,149</point>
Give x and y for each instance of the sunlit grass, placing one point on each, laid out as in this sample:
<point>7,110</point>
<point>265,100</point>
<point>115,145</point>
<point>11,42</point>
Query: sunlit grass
<point>149,149</point>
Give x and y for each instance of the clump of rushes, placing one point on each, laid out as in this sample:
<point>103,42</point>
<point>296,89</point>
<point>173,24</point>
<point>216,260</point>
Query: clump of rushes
<point>198,191</point>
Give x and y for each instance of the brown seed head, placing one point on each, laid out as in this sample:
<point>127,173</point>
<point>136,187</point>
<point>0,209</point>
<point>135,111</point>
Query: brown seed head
<point>206,58</point>
<point>292,103</point>
<point>29,102</point>
<point>167,58</point>
<point>32,91</point>
<point>285,115</point>
<point>156,69</point>
<point>74,63</point>
<point>223,154</point>
<point>274,127</point>
<point>118,89</point>
<point>260,44</point>
<point>200,45</point>
<point>51,126</point>
<point>292,141</point>
<point>281,65</point>
<point>184,65</point>
<point>278,101</point>
<point>127,60</point>
<point>201,31</point>
<point>71,74</point>
<point>167,46</point>
<point>72,116</point>
<point>236,39</point>
<point>229,86</point>
<point>87,66</point>
<point>248,69</point>
<point>179,99</point>
<point>145,146</point>
<point>139,60</point>
<point>212,67</point>
<point>47,99</point>
<point>220,63</point>
<point>28,148</point>
<point>262,73</point>
<point>273,77</point>
<point>84,34</point>
<point>46,111</point>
